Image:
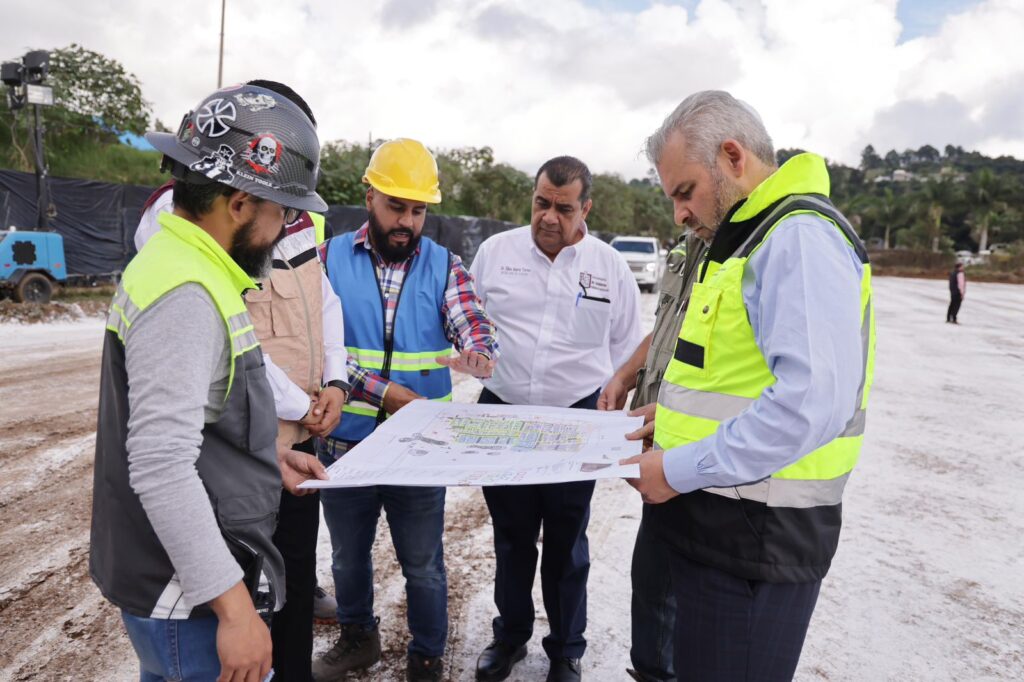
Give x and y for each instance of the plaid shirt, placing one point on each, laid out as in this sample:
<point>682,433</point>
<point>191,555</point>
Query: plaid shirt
<point>465,323</point>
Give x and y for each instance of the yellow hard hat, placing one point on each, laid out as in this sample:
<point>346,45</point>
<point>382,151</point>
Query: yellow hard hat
<point>405,169</point>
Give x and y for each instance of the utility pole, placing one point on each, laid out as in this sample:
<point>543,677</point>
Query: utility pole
<point>42,191</point>
<point>220,61</point>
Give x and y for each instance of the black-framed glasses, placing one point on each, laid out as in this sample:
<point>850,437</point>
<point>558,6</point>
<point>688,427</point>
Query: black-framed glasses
<point>291,215</point>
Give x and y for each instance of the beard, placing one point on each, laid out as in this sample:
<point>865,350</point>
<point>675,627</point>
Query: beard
<point>254,260</point>
<point>392,253</point>
<point>726,195</point>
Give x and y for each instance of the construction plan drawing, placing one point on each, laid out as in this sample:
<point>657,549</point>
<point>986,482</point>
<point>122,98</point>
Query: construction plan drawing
<point>449,444</point>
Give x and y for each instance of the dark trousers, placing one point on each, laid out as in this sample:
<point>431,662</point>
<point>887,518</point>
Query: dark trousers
<point>518,512</point>
<point>653,607</point>
<point>955,299</point>
<point>732,629</point>
<point>292,627</point>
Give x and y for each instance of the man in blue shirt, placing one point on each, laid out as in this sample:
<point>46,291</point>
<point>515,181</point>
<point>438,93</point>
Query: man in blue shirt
<point>761,412</point>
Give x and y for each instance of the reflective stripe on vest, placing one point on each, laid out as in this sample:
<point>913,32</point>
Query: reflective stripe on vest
<point>406,362</point>
<point>718,371</point>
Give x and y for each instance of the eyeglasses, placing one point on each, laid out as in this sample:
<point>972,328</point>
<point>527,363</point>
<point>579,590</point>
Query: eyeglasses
<point>291,215</point>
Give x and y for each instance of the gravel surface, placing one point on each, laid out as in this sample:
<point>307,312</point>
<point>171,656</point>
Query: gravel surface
<point>926,584</point>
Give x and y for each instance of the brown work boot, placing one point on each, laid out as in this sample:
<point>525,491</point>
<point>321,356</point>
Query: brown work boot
<point>357,648</point>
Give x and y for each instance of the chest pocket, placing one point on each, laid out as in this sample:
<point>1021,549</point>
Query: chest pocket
<point>693,346</point>
<point>276,309</point>
<point>590,320</point>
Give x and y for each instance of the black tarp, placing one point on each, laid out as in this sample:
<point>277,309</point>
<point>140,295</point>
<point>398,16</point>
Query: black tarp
<point>98,220</point>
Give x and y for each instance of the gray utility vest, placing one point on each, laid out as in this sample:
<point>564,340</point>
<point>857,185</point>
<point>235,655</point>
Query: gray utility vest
<point>674,295</point>
<point>238,466</point>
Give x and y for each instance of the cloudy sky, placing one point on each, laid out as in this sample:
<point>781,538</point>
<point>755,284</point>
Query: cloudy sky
<point>592,78</point>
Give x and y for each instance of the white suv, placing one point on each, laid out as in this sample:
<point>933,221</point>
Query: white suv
<point>645,257</point>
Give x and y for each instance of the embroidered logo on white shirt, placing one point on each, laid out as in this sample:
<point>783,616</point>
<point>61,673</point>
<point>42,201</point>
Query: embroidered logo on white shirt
<point>589,280</point>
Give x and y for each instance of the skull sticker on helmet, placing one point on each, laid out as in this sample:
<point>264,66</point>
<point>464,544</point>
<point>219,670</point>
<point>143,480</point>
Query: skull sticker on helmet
<point>264,153</point>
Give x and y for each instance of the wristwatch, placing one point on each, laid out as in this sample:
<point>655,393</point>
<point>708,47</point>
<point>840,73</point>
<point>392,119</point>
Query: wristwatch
<point>339,384</point>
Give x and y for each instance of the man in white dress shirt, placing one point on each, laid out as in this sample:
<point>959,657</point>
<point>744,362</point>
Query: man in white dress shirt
<point>568,312</point>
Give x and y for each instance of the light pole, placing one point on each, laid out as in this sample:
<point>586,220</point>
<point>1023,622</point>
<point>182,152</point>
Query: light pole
<point>25,86</point>
<point>220,61</point>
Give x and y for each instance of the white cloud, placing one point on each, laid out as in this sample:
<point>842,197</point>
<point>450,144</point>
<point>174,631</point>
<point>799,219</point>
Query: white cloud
<point>538,79</point>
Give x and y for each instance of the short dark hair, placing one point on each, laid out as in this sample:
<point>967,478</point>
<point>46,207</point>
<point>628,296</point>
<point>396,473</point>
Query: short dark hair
<point>287,93</point>
<point>564,170</point>
<point>196,199</point>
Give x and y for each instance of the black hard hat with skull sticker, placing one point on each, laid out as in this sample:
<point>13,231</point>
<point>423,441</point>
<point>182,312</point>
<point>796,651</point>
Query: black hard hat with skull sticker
<point>250,138</point>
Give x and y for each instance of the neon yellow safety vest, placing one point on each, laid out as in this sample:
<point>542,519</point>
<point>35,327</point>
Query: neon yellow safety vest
<point>237,461</point>
<point>718,371</point>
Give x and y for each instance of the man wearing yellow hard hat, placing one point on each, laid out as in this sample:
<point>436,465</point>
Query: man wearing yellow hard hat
<point>407,301</point>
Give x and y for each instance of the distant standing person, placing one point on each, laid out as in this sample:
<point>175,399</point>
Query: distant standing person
<point>957,291</point>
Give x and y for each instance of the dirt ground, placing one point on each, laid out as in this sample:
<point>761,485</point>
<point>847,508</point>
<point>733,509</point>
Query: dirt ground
<point>926,584</point>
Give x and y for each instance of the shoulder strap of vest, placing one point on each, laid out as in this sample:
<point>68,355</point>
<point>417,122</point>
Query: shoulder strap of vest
<point>818,203</point>
<point>322,248</point>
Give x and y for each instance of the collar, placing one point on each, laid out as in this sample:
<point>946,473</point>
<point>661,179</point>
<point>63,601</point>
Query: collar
<point>195,236</point>
<point>802,174</point>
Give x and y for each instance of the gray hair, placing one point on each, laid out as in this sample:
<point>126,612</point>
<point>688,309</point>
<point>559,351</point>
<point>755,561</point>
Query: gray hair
<point>708,119</point>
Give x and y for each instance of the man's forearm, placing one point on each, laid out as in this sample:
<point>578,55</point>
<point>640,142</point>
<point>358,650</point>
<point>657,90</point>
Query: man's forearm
<point>397,396</point>
<point>366,386</point>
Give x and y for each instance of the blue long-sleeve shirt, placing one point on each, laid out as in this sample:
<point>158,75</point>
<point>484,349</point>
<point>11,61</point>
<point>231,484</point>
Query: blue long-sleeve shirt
<point>801,289</point>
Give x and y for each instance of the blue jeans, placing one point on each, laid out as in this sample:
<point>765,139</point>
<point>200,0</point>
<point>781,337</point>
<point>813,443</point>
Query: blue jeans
<point>653,605</point>
<point>416,519</point>
<point>174,650</point>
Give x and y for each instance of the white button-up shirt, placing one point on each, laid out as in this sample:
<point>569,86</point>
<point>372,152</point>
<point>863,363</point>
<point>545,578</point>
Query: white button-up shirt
<point>565,325</point>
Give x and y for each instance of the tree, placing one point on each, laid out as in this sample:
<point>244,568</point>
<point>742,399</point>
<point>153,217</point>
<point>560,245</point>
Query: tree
<point>652,212</point>
<point>784,155</point>
<point>889,210</point>
<point>473,185</point>
<point>613,206</point>
<point>985,190</point>
<point>342,165</point>
<point>496,191</point>
<point>935,196</point>
<point>928,154</point>
<point>95,100</point>
<point>892,159</point>
<point>869,159</point>
<point>953,152</point>
<point>96,92</point>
